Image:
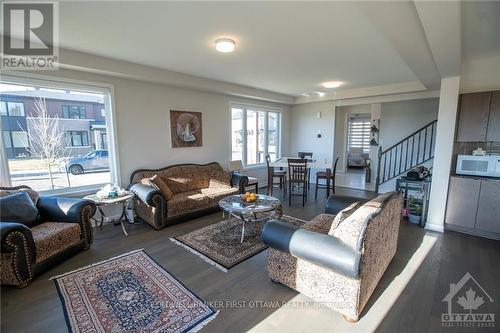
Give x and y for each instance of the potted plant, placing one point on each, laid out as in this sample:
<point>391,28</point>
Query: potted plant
<point>414,210</point>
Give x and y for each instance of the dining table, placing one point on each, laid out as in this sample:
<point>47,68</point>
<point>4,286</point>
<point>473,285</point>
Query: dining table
<point>311,164</point>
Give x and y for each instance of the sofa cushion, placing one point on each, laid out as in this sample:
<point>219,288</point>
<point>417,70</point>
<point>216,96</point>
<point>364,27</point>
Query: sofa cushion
<point>186,178</point>
<point>163,187</point>
<point>33,194</point>
<point>18,207</point>
<point>320,223</point>
<point>217,193</point>
<point>187,202</point>
<point>349,230</point>
<point>219,178</point>
<point>342,215</point>
<point>53,237</point>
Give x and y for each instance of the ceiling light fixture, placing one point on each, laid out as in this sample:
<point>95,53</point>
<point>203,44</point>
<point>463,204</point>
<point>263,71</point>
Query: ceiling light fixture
<point>225,45</point>
<point>319,93</point>
<point>332,84</point>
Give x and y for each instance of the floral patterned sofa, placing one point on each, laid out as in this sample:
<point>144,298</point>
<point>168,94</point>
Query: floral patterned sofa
<point>337,259</point>
<point>181,192</point>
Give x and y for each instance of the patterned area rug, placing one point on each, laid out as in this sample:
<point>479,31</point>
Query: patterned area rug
<point>219,243</point>
<point>129,293</point>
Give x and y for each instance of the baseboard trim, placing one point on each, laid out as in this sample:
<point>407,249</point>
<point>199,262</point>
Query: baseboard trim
<point>434,227</point>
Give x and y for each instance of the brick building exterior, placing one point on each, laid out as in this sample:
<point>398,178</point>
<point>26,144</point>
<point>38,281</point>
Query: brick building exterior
<point>80,116</point>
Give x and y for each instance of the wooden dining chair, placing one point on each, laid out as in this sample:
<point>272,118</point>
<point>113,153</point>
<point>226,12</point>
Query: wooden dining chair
<point>306,155</point>
<point>329,178</point>
<point>272,174</point>
<point>297,167</point>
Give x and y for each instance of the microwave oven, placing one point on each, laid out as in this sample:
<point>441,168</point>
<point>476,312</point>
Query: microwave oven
<point>488,166</point>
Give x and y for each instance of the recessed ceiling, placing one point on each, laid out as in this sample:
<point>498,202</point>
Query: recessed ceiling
<point>285,47</point>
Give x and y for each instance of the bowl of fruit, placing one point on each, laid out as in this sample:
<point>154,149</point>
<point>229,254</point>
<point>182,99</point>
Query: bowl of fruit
<point>249,197</point>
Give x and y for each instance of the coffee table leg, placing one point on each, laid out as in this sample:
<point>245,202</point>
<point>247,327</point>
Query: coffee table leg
<point>122,217</point>
<point>102,216</point>
<point>242,231</point>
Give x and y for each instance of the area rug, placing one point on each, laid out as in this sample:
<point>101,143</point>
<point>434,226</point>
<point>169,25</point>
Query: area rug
<point>219,243</point>
<point>129,293</point>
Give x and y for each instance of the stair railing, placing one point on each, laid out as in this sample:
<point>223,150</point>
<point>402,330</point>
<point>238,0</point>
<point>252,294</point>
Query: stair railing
<point>414,150</point>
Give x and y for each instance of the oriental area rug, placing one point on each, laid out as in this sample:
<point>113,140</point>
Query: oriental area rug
<point>129,293</point>
<point>219,243</point>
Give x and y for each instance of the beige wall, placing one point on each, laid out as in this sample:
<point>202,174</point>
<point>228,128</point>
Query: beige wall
<point>143,124</point>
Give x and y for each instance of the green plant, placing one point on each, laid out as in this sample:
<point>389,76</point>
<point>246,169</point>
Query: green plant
<point>415,206</point>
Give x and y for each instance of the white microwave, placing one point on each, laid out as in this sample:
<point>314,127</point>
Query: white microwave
<point>488,166</point>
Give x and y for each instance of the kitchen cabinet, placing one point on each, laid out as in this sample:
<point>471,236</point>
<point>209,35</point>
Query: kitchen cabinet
<point>488,209</point>
<point>493,133</point>
<point>463,196</point>
<point>473,206</point>
<point>473,117</point>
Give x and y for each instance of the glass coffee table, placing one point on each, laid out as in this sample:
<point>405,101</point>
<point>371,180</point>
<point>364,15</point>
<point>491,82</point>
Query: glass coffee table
<point>122,200</point>
<point>265,208</point>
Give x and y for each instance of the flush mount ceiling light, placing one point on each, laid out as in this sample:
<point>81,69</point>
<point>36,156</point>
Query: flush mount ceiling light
<point>225,45</point>
<point>319,93</point>
<point>331,84</point>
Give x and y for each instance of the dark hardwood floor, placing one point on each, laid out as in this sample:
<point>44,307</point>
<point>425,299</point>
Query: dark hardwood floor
<point>407,299</point>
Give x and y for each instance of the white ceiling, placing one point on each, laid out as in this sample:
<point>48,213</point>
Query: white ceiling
<point>291,47</point>
<point>282,47</point>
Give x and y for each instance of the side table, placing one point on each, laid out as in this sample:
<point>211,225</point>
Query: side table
<point>121,200</point>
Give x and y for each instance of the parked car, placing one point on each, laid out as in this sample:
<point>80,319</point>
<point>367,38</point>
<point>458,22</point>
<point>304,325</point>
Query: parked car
<point>94,160</point>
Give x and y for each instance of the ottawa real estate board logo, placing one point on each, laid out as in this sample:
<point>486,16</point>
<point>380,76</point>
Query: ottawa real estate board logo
<point>30,35</point>
<point>468,305</point>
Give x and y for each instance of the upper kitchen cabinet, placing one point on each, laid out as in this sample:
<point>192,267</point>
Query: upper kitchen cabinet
<point>493,133</point>
<point>473,117</point>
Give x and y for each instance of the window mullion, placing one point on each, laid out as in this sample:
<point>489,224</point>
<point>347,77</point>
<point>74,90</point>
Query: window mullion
<point>244,127</point>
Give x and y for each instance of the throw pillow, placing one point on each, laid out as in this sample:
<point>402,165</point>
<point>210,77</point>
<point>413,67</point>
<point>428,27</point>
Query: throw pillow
<point>162,186</point>
<point>342,215</point>
<point>18,207</point>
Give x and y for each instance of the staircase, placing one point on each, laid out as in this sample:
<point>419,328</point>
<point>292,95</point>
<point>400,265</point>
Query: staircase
<point>412,151</point>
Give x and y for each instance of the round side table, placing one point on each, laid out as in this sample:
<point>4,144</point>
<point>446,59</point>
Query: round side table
<point>121,200</point>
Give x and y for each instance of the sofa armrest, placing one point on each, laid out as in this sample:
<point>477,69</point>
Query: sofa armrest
<point>69,210</point>
<point>240,181</point>
<point>16,238</point>
<point>145,192</point>
<point>336,203</point>
<point>319,249</point>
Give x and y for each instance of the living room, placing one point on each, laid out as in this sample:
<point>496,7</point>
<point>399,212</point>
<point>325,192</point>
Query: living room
<point>235,166</point>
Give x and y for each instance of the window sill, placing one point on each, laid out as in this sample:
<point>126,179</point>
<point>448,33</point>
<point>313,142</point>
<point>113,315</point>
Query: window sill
<point>254,166</point>
<point>78,192</point>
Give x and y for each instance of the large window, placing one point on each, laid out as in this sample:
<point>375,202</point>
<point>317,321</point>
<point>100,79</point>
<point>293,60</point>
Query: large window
<point>76,138</point>
<point>359,132</point>
<point>50,147</point>
<point>73,112</point>
<point>254,133</point>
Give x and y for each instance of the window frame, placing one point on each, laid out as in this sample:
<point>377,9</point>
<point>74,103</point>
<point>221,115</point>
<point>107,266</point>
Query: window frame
<point>80,109</point>
<point>7,103</point>
<point>80,133</point>
<point>258,108</point>
<point>51,82</point>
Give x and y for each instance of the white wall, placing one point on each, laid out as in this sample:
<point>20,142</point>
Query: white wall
<point>304,127</point>
<point>399,119</point>
<point>143,122</point>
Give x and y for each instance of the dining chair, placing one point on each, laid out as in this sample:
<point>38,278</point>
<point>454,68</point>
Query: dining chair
<point>271,174</point>
<point>306,155</point>
<point>329,178</point>
<point>237,166</point>
<point>297,167</point>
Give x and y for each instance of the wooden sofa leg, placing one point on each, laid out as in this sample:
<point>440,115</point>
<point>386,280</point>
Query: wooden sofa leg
<point>350,320</point>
